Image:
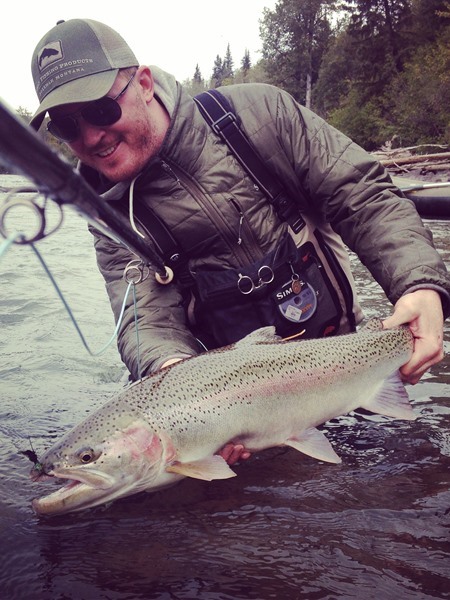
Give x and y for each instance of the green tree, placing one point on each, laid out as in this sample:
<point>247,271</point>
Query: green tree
<point>196,85</point>
<point>217,74</point>
<point>378,28</point>
<point>197,75</point>
<point>255,74</point>
<point>364,59</point>
<point>429,19</point>
<point>246,63</point>
<point>295,36</point>
<point>227,66</point>
<point>363,123</point>
<point>418,111</point>
<point>337,72</point>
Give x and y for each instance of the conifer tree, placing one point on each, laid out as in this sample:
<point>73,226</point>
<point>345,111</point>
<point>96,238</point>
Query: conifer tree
<point>217,74</point>
<point>227,65</point>
<point>197,75</point>
<point>246,63</point>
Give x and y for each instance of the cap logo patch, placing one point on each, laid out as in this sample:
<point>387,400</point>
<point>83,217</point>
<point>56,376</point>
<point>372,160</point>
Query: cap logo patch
<point>49,54</point>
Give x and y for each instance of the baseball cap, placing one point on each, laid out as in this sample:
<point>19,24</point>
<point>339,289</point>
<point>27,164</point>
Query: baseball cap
<point>77,61</point>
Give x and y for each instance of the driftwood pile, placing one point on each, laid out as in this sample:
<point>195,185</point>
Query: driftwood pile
<point>414,158</point>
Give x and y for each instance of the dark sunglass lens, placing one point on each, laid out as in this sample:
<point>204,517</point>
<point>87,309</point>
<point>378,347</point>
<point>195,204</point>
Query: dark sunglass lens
<point>66,129</point>
<point>105,111</point>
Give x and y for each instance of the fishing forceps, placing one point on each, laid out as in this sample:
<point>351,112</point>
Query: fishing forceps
<point>246,285</point>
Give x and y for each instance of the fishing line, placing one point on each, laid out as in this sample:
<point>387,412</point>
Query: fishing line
<point>19,237</point>
<point>9,241</point>
<point>4,247</point>
<point>69,311</point>
<point>138,355</point>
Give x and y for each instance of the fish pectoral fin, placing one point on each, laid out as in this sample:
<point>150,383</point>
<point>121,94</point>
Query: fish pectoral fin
<point>314,443</point>
<point>209,468</point>
<point>392,400</point>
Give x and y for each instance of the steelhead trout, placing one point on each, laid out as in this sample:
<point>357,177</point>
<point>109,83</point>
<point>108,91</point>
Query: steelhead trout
<point>260,392</point>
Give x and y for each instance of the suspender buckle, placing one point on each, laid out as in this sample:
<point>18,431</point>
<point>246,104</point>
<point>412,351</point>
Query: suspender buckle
<point>287,210</point>
<point>227,119</point>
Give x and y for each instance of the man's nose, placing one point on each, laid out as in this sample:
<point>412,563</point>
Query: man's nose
<point>90,134</point>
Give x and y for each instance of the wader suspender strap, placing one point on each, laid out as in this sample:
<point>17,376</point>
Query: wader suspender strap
<point>217,111</point>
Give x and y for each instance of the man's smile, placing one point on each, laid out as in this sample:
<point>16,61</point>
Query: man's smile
<point>108,151</point>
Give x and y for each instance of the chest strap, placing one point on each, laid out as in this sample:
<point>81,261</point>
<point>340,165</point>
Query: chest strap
<point>218,113</point>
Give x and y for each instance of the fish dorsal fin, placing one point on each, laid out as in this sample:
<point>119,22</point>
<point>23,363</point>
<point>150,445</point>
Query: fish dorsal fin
<point>209,468</point>
<point>392,400</point>
<point>314,443</point>
<point>264,335</point>
<point>373,324</point>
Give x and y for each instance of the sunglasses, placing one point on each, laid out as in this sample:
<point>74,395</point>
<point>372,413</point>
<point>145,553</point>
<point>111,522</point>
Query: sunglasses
<point>101,113</point>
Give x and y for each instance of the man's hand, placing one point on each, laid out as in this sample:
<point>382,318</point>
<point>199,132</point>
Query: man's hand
<point>232,453</point>
<point>422,311</point>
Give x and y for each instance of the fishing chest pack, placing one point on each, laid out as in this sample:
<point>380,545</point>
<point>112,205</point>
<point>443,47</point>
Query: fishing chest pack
<point>289,288</point>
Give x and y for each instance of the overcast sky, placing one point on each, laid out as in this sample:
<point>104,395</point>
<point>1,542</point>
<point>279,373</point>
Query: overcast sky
<point>173,34</point>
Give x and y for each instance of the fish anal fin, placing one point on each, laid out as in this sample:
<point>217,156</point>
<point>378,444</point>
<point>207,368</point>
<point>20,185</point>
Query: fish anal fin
<point>209,468</point>
<point>392,400</point>
<point>314,443</point>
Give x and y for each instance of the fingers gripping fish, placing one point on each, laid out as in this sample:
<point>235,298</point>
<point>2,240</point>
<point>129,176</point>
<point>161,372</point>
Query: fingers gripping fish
<point>260,392</point>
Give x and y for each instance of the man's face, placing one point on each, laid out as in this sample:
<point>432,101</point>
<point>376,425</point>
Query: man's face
<point>121,150</point>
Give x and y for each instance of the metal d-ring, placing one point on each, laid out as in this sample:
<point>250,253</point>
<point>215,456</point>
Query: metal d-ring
<point>39,212</point>
<point>246,285</point>
<point>136,272</point>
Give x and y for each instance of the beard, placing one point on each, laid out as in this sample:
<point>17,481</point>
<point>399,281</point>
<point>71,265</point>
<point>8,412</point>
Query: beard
<point>133,153</point>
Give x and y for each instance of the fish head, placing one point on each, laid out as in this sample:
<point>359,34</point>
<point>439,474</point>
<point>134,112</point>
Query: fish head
<point>101,469</point>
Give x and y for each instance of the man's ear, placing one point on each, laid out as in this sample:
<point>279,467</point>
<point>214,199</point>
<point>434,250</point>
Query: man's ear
<point>145,80</point>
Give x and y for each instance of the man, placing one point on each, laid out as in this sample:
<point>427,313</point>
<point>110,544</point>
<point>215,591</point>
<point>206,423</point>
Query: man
<point>143,144</point>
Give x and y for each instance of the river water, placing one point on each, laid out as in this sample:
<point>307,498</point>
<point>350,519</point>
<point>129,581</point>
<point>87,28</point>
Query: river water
<point>288,527</point>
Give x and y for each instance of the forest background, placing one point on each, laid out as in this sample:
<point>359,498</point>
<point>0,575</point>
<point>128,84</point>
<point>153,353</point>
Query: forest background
<point>378,70</point>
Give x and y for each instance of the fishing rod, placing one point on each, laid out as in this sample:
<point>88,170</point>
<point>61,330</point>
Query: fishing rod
<point>431,199</point>
<point>426,186</point>
<point>23,151</point>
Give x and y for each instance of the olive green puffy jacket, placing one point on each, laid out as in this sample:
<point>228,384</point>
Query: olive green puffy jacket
<point>220,220</point>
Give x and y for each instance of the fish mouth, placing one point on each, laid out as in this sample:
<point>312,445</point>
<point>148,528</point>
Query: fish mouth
<point>78,493</point>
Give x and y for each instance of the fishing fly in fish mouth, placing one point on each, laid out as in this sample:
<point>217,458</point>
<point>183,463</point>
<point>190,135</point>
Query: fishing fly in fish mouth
<point>261,392</point>
<point>37,470</point>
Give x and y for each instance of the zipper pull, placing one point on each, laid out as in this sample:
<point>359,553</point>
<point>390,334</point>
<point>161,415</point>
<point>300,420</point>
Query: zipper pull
<point>241,219</point>
<point>168,169</point>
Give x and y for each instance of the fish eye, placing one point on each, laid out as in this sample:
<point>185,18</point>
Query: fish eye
<point>86,455</point>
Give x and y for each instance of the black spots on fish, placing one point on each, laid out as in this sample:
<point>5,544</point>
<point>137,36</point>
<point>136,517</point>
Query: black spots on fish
<point>179,425</point>
<point>196,420</point>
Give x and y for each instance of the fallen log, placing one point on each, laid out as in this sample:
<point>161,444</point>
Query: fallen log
<point>420,158</point>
